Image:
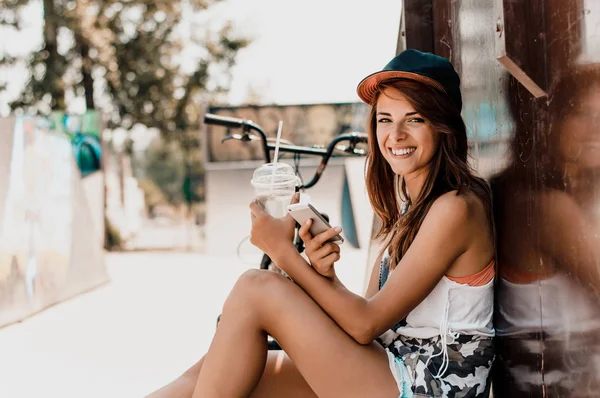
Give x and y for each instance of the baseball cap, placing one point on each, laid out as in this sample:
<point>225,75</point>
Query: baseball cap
<point>426,68</point>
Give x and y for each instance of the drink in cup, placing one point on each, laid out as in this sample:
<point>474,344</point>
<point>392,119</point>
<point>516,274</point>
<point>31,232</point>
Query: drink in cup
<point>274,186</point>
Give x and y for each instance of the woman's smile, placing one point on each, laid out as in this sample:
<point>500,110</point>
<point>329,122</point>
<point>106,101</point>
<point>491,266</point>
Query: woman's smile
<point>402,152</point>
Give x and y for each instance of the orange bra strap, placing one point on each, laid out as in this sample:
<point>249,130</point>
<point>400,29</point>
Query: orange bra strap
<point>479,279</point>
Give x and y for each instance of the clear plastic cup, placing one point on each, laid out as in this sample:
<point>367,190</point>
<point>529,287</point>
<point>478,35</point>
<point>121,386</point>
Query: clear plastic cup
<point>274,186</point>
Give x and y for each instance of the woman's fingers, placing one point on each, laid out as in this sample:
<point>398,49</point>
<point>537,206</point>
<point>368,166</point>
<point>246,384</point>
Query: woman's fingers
<point>256,209</point>
<point>321,238</point>
<point>295,198</point>
<point>327,262</point>
<point>331,258</point>
<point>304,232</point>
<point>325,265</point>
<point>324,258</point>
<point>325,250</point>
<point>325,236</point>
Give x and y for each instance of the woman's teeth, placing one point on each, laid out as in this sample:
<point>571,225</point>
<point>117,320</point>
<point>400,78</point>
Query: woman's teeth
<point>405,151</point>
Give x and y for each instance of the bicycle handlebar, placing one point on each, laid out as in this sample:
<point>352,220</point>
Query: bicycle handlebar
<point>248,125</point>
<point>225,121</point>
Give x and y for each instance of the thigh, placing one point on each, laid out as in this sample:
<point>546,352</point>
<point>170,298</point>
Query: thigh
<point>332,363</point>
<point>281,378</point>
<point>183,386</point>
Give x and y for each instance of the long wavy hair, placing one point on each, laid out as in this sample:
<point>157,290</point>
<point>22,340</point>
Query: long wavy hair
<point>449,171</point>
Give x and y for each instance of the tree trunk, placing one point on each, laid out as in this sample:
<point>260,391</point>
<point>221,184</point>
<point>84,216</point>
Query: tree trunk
<point>52,80</point>
<point>86,72</point>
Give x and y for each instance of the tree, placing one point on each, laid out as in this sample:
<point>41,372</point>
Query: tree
<point>164,166</point>
<point>153,195</point>
<point>124,58</point>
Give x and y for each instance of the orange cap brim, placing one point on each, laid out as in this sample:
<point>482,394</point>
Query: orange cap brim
<point>368,86</point>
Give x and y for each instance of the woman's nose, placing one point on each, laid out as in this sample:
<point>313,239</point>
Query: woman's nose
<point>399,133</point>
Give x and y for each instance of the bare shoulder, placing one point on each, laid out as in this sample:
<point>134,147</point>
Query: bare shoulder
<point>451,228</point>
<point>455,206</point>
<point>460,212</point>
<point>462,218</point>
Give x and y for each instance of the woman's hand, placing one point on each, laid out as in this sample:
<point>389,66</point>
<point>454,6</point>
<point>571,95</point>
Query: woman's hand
<point>271,235</point>
<point>322,255</point>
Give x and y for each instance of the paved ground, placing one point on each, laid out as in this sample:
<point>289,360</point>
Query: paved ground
<point>154,319</point>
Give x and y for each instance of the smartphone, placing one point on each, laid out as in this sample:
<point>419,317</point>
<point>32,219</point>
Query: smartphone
<point>301,212</point>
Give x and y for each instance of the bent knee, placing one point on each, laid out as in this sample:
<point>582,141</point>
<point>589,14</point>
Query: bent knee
<point>260,279</point>
<point>255,285</point>
<point>256,279</point>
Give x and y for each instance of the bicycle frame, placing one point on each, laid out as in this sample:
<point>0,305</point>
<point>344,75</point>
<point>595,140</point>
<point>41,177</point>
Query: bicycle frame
<point>248,126</point>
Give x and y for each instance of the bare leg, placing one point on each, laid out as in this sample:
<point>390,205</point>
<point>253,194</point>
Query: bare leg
<point>332,363</point>
<point>280,379</point>
<point>181,387</point>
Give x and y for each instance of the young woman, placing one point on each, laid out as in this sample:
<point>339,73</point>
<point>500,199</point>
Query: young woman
<point>424,326</point>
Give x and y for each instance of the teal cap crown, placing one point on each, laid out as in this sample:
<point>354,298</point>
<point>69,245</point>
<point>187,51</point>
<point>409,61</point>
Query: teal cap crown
<point>426,68</point>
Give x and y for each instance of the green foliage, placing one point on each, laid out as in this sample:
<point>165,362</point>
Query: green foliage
<point>194,182</point>
<point>164,166</point>
<point>137,62</point>
<point>153,195</point>
<point>125,58</point>
<point>170,171</point>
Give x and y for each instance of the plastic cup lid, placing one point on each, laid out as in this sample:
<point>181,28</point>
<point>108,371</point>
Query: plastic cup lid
<point>275,175</point>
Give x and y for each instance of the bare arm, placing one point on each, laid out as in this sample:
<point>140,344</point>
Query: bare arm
<point>442,237</point>
<point>373,286</point>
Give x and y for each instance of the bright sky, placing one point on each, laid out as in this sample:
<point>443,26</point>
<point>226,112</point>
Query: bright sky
<point>312,50</point>
<point>306,51</point>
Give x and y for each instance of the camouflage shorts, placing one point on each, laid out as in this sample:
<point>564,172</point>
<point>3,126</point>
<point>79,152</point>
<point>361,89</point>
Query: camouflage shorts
<point>467,376</point>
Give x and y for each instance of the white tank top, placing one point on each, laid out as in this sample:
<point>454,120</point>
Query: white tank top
<point>451,309</point>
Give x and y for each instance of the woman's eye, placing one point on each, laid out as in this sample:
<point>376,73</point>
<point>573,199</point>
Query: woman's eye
<point>416,120</point>
<point>384,120</point>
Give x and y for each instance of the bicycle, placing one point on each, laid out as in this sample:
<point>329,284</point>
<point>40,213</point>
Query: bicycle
<point>334,148</point>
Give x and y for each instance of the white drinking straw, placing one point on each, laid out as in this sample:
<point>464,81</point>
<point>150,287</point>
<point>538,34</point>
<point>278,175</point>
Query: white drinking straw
<point>275,158</point>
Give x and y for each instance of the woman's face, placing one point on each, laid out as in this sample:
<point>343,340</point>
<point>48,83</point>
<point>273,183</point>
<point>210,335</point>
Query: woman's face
<point>579,139</point>
<point>405,138</point>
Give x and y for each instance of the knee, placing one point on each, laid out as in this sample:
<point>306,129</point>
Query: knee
<point>259,282</point>
<point>253,286</point>
<point>252,276</point>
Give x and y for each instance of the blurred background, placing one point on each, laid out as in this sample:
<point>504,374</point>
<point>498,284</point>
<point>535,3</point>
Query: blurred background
<point>124,219</point>
<point>117,202</point>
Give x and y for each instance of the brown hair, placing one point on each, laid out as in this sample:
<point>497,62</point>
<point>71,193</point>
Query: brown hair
<point>450,169</point>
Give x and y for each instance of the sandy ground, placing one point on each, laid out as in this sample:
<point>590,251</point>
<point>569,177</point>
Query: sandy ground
<point>153,320</point>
